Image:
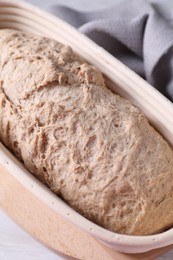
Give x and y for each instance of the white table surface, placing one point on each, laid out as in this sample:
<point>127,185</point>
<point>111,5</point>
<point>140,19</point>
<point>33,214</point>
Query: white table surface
<point>16,244</point>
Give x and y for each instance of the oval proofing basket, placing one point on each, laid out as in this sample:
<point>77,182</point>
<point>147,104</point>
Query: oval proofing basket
<point>33,206</point>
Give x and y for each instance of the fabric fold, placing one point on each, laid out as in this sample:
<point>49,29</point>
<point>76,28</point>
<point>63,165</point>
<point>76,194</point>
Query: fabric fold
<point>135,33</point>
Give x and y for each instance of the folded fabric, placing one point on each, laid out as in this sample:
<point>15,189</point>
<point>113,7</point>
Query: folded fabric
<point>135,33</point>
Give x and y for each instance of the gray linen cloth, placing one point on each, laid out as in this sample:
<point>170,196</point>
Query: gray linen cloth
<point>135,33</point>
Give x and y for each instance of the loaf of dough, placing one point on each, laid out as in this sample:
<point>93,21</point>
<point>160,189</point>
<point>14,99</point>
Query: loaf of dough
<point>91,147</point>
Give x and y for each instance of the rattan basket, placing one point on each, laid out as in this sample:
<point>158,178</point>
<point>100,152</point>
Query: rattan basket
<point>33,206</point>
